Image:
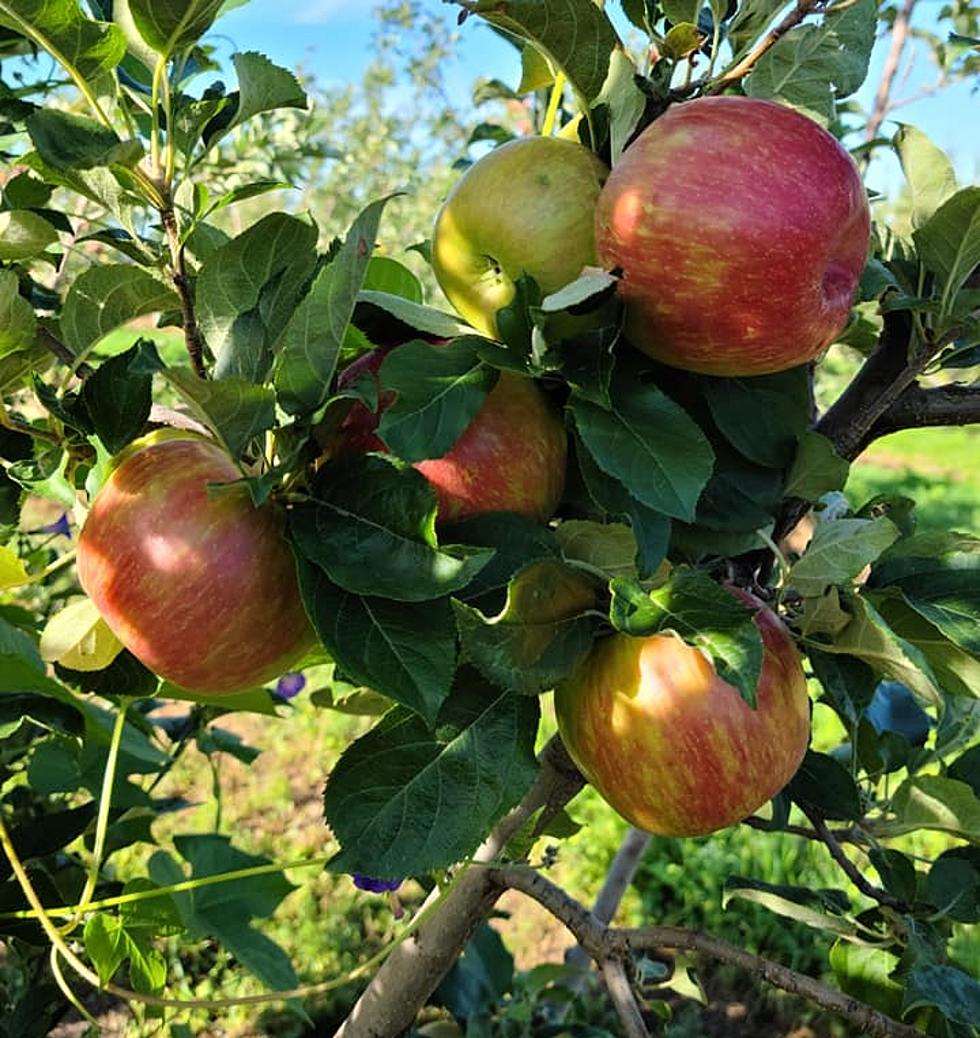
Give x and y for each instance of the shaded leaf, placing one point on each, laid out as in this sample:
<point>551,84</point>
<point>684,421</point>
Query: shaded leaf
<point>403,800</point>
<point>544,630</point>
<point>382,543</point>
<point>949,242</point>
<point>306,360</point>
<point>407,653</point>
<point>817,468</point>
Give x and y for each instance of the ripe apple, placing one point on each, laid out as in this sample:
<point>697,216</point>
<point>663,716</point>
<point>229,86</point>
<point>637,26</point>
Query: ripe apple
<point>524,208</point>
<point>198,583</point>
<point>673,748</point>
<point>741,228</point>
<point>510,458</point>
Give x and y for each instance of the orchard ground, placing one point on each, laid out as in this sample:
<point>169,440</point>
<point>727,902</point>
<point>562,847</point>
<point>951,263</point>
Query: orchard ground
<point>274,808</point>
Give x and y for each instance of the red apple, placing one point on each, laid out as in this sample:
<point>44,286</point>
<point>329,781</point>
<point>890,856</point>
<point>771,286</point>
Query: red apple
<point>673,748</point>
<point>741,228</point>
<point>510,458</point>
<point>523,208</point>
<point>198,584</point>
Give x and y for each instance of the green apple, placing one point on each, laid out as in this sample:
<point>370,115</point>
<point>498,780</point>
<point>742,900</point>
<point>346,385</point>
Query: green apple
<point>526,208</point>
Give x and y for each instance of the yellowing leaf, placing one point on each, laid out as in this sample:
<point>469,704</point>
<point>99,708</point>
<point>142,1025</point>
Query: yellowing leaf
<point>12,571</point>
<point>79,638</point>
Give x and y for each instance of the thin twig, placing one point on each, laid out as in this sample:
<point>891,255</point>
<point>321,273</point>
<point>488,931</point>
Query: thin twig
<point>618,878</point>
<point>53,344</point>
<point>745,66</point>
<point>841,835</point>
<point>883,104</point>
<point>853,873</point>
<point>623,999</point>
<point>193,338</point>
<point>604,943</point>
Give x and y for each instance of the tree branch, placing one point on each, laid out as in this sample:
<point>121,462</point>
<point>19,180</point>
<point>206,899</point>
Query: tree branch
<point>919,408</point>
<point>622,997</point>
<point>193,338</point>
<point>745,66</point>
<point>53,344</point>
<point>882,103</point>
<point>604,944</point>
<point>852,872</point>
<point>618,878</point>
<point>411,973</point>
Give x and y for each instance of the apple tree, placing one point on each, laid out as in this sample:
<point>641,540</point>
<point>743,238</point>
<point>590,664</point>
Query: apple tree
<point>597,469</point>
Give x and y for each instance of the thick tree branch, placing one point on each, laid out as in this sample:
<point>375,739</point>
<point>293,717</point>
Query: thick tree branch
<point>193,338</point>
<point>919,408</point>
<point>745,66</point>
<point>882,104</point>
<point>411,973</point>
<point>604,944</point>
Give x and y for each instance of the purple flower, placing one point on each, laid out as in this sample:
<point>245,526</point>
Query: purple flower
<point>59,526</point>
<point>290,685</point>
<point>375,886</point>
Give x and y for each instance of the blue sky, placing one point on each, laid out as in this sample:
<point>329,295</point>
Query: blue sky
<point>331,39</point>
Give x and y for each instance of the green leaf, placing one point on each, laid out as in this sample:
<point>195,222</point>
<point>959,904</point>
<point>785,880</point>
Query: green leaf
<point>939,575</point>
<point>544,630</point>
<point>74,142</point>
<point>937,803</point>
<point>311,344</point>
<point>439,391</point>
<point>383,542</point>
<point>821,782</point>
<point>23,235</point>
<point>234,409</point>
<point>225,910</point>
<point>248,290</point>
<point>385,274</point>
<point>536,71</point>
<point>648,443</point>
<point>704,614</point>
<point>897,872</point>
<point>954,993</point>
<point>515,539</point>
<point>683,39</point>
<point>480,977</point>
<point>17,321</point>
<point>105,297</point>
<point>172,25</point>
<point>109,942</point>
<point>751,18</point>
<point>866,973</point>
<point>815,65</point>
<point>869,638</point>
<point>762,417</point>
<point>953,884</point>
<point>624,101</point>
<point>405,652</point>
<point>403,318</point>
<point>820,909</point>
<point>949,242</point>
<point>929,172</point>
<point>839,550</point>
<point>262,87</point>
<point>118,395</point>
<point>404,800</point>
<point>609,547</point>
<point>679,11</point>
<point>575,35</point>
<point>817,468</point>
<point>84,47</point>
<point>651,528</point>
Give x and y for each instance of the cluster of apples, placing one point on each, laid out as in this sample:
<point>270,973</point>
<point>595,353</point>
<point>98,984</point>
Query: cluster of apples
<point>738,229</point>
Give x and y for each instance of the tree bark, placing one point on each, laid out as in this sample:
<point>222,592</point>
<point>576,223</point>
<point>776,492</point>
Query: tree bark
<point>403,984</point>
